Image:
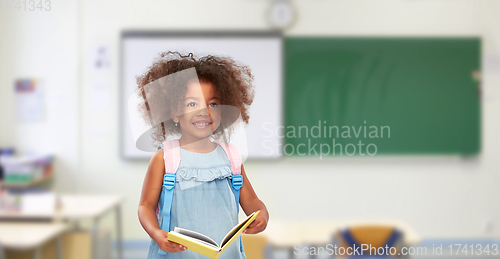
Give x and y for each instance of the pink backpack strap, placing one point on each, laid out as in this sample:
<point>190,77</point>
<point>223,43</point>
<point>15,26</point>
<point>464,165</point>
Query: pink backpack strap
<point>171,155</point>
<point>172,159</point>
<point>237,180</point>
<point>234,156</point>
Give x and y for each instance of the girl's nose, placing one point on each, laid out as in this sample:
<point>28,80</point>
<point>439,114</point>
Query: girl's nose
<point>203,110</point>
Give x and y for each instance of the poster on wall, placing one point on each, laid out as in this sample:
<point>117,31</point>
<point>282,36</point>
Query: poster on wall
<point>29,100</point>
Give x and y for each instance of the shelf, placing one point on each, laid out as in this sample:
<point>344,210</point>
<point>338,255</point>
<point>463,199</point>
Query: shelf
<point>28,184</point>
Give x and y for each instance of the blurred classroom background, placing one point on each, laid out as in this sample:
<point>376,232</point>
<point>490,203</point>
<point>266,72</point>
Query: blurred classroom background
<point>64,145</point>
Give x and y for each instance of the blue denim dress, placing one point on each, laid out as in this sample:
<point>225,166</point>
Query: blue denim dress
<point>203,201</point>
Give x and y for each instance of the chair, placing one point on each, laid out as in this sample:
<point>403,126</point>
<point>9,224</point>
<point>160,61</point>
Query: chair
<point>373,238</point>
<point>256,246</point>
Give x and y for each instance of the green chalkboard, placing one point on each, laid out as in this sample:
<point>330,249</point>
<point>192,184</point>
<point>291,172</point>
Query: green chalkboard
<point>381,96</point>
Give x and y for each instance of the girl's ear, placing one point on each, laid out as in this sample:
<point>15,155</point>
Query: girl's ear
<point>174,115</point>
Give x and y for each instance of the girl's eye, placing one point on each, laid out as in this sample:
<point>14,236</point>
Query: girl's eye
<point>193,104</point>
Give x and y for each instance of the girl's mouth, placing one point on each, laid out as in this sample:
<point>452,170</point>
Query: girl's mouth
<point>202,125</point>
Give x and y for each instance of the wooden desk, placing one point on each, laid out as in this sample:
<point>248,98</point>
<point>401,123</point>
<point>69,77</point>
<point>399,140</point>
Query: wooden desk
<point>25,236</point>
<point>87,206</point>
<point>76,207</point>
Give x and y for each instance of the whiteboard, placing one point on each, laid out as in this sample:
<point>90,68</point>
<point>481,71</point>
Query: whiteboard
<point>261,51</point>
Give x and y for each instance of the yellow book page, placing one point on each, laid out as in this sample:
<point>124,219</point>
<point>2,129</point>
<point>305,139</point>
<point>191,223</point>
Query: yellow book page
<point>194,246</point>
<point>237,231</point>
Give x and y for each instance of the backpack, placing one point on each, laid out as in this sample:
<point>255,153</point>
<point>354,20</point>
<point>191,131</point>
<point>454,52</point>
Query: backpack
<point>172,158</point>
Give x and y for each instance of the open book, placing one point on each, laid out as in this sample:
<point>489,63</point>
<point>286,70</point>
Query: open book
<point>204,245</point>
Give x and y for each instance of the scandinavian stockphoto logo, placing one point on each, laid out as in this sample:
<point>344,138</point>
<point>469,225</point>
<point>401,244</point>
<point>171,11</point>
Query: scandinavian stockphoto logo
<point>353,139</point>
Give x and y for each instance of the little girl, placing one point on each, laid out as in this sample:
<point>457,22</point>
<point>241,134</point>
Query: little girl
<point>203,198</point>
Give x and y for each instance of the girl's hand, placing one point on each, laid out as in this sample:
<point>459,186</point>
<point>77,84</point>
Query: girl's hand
<point>160,237</point>
<point>257,226</point>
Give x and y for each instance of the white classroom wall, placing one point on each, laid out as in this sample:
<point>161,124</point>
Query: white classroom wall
<point>445,197</point>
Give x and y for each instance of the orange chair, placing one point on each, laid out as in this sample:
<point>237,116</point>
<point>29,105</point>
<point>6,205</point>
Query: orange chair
<point>371,237</point>
<point>256,246</point>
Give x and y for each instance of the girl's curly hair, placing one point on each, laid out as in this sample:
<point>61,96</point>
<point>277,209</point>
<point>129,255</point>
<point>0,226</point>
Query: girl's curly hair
<point>233,81</point>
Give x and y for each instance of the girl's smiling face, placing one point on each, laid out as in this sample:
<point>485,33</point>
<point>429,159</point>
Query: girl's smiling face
<point>201,111</point>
